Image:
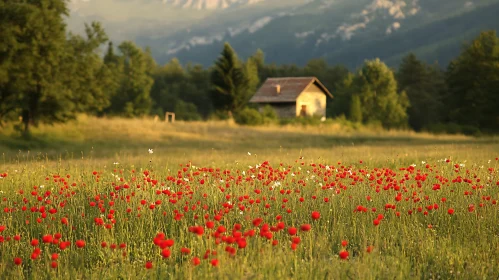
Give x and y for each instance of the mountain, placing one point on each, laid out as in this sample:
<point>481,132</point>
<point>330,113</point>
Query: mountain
<point>294,31</point>
<point>209,4</point>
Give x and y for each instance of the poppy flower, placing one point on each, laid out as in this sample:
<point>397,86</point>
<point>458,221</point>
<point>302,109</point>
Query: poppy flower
<point>450,211</point>
<point>316,215</point>
<point>80,243</point>
<point>148,265</point>
<point>305,227</point>
<point>344,243</point>
<point>292,231</point>
<point>18,261</point>
<point>165,253</point>
<point>196,261</point>
<point>214,262</point>
<point>343,255</point>
<point>369,249</point>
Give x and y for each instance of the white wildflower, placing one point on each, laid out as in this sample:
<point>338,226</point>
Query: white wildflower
<point>186,179</point>
<point>151,151</point>
<point>423,162</point>
<point>462,165</point>
<point>249,154</point>
<point>413,165</point>
<point>115,163</point>
<point>244,172</point>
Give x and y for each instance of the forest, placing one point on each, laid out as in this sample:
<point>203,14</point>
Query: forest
<point>48,75</point>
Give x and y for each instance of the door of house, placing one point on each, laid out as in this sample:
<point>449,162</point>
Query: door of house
<point>303,111</point>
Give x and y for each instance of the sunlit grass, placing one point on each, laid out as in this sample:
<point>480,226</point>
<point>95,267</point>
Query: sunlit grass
<point>93,168</point>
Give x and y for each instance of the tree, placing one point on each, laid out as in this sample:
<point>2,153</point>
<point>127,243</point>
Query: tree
<point>132,97</point>
<point>355,109</point>
<point>425,86</point>
<point>473,81</point>
<point>377,89</point>
<point>251,74</point>
<point>229,82</point>
<point>86,76</point>
<point>34,64</point>
<point>47,75</point>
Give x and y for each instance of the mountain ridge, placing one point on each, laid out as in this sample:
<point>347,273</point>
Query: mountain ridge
<point>340,31</point>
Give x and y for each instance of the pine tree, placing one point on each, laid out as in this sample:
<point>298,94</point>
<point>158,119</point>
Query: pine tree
<point>425,86</point>
<point>473,81</point>
<point>132,97</point>
<point>229,82</point>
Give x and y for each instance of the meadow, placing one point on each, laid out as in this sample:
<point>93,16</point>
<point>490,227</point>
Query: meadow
<point>136,199</point>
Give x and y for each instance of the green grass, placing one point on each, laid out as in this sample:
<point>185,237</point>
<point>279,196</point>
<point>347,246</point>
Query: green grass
<point>464,245</point>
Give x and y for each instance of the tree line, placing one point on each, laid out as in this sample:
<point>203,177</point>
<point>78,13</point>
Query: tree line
<point>48,74</point>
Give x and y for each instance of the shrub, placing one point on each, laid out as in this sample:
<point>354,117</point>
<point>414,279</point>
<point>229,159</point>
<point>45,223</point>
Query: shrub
<point>249,116</point>
<point>269,115</point>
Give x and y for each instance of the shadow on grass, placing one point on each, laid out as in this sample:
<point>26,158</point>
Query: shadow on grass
<point>235,140</point>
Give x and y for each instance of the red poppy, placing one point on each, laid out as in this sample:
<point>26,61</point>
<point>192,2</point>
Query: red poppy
<point>165,253</point>
<point>305,227</point>
<point>18,261</point>
<point>316,215</point>
<point>80,243</point>
<point>343,255</point>
<point>148,265</point>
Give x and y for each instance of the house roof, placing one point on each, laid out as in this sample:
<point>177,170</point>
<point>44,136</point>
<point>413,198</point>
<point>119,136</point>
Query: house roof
<point>290,89</point>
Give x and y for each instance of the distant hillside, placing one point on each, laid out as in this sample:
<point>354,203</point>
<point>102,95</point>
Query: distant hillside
<point>294,31</point>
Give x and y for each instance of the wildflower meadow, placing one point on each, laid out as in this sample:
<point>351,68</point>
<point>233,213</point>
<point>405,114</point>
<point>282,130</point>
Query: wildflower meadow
<point>312,207</point>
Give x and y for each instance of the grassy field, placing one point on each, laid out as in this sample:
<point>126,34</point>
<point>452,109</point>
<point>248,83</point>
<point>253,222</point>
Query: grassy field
<point>115,198</point>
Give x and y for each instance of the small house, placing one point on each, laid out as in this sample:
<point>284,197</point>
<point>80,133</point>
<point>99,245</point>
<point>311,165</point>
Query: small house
<point>293,96</point>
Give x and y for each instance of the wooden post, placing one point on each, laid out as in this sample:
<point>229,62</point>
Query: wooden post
<point>168,115</point>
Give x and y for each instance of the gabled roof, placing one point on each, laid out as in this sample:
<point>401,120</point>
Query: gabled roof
<point>290,89</point>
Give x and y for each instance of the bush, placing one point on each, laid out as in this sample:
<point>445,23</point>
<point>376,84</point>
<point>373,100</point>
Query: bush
<point>219,115</point>
<point>269,115</point>
<point>453,128</point>
<point>186,111</point>
<point>249,116</point>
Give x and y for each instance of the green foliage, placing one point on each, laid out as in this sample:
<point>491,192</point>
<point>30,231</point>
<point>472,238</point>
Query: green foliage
<point>249,116</point>
<point>133,83</point>
<point>355,109</point>
<point>473,81</point>
<point>47,75</point>
<point>377,89</point>
<point>186,111</point>
<point>425,87</point>
<point>453,128</point>
<point>230,83</point>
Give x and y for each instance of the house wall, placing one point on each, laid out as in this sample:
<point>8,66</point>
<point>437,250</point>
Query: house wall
<point>283,110</point>
<point>315,99</point>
